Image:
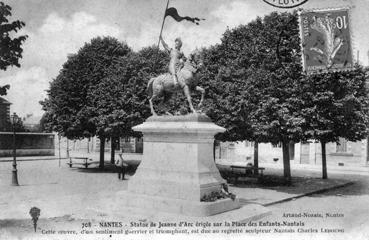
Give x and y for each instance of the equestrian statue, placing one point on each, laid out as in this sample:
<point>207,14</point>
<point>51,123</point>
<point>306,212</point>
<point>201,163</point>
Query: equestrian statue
<point>181,76</point>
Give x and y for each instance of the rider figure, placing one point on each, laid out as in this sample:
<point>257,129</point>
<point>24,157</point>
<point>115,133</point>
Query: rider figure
<point>177,58</point>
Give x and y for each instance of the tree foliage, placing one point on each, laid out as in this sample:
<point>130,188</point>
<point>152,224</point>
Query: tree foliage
<point>251,79</point>
<point>68,108</point>
<point>119,100</point>
<point>10,46</point>
<point>18,125</point>
<point>252,87</point>
<point>335,105</point>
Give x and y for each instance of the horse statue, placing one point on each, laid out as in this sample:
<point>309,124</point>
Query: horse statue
<point>163,84</point>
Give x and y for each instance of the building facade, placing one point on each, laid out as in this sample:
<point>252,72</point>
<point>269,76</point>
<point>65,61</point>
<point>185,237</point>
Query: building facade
<point>91,146</point>
<point>342,154</point>
<point>4,115</point>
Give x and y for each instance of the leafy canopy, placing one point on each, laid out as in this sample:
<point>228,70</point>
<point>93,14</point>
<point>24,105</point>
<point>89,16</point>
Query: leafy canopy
<point>119,101</point>
<point>336,105</point>
<point>68,109</point>
<point>251,80</point>
<point>10,47</point>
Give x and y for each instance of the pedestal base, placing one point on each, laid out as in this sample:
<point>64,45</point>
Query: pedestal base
<point>178,206</point>
<point>178,168</point>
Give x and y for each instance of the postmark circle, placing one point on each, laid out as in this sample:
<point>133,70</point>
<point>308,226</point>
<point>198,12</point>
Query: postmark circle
<point>285,3</point>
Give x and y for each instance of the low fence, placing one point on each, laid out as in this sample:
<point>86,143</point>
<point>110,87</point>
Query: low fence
<point>27,144</point>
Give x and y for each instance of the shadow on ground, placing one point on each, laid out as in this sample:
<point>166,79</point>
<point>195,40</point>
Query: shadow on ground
<point>108,168</point>
<point>301,184</point>
<point>357,185</point>
<point>357,188</point>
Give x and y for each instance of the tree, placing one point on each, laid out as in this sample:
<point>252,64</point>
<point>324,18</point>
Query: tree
<point>257,91</point>
<point>10,47</point>
<point>336,105</point>
<point>120,101</point>
<point>43,127</point>
<point>251,81</point>
<point>68,109</point>
<point>18,124</point>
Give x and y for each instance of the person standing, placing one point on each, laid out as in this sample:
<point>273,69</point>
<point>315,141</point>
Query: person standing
<point>121,166</point>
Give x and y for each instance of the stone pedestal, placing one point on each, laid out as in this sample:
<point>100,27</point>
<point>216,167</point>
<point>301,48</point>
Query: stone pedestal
<point>178,167</point>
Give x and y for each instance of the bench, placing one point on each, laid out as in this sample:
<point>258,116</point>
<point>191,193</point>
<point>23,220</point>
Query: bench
<point>84,163</point>
<point>245,171</point>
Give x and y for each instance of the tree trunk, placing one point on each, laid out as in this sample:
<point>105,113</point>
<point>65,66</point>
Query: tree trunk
<point>102,151</point>
<point>67,148</point>
<point>214,150</point>
<point>256,157</point>
<point>112,151</point>
<point>286,162</point>
<point>324,161</point>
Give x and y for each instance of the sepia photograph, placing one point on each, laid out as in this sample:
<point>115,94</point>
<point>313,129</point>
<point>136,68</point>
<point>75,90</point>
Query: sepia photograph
<point>184,119</point>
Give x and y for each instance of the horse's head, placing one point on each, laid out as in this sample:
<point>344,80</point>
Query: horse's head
<point>195,60</point>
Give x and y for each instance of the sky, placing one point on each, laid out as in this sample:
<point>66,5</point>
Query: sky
<point>57,28</point>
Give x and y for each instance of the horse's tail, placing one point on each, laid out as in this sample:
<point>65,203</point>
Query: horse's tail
<point>149,88</point>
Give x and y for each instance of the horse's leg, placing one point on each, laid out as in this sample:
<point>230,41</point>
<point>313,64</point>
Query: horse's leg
<point>151,90</point>
<point>187,93</point>
<point>151,105</point>
<point>200,89</point>
<point>157,90</point>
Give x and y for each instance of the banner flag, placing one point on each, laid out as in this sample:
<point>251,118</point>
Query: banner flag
<point>174,14</point>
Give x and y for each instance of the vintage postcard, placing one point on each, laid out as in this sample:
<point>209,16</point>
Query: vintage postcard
<point>184,119</point>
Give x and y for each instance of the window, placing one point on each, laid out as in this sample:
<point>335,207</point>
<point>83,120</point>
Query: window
<point>249,144</point>
<point>277,145</point>
<point>341,146</point>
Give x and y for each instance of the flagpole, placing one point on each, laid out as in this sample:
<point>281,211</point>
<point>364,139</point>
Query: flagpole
<point>162,25</point>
